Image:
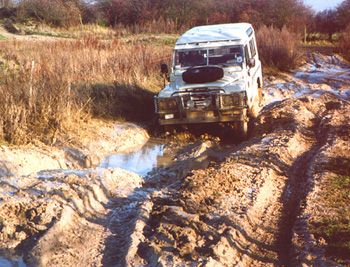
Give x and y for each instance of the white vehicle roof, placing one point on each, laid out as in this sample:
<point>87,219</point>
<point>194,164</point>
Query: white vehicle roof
<point>233,32</point>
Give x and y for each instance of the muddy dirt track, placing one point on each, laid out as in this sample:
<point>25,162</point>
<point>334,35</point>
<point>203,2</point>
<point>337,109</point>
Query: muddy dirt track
<point>257,203</point>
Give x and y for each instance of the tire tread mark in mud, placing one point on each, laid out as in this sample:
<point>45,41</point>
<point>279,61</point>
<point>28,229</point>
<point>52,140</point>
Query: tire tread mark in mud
<point>295,193</point>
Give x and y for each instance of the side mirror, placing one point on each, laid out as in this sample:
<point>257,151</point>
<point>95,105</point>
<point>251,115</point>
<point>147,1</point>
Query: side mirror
<point>251,62</point>
<point>164,69</point>
<point>165,72</point>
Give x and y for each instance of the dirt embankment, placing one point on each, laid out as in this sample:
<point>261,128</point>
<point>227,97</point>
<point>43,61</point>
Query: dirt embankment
<point>269,202</point>
<point>244,210</point>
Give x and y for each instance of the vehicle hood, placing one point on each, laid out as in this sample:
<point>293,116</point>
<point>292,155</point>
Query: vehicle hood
<point>179,85</point>
<point>231,82</point>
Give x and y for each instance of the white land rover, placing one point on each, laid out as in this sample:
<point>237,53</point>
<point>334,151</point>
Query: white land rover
<point>216,77</point>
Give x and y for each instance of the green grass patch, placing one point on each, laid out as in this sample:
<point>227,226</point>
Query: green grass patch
<point>322,43</point>
<point>321,37</point>
<point>2,37</point>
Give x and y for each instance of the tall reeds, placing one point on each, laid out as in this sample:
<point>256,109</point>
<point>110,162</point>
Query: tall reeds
<point>46,86</point>
<point>278,48</point>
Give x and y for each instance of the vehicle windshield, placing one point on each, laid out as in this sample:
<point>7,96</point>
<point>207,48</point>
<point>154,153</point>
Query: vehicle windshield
<point>224,56</point>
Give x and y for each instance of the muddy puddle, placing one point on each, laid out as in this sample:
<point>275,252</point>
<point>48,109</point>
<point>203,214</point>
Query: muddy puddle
<point>154,154</point>
<point>6,261</point>
<point>150,156</point>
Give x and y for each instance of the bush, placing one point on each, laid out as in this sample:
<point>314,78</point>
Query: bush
<point>344,43</point>
<point>278,48</point>
<point>7,12</point>
<point>54,12</point>
<point>10,27</point>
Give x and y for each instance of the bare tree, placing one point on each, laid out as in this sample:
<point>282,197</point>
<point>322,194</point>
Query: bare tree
<point>327,22</point>
<point>344,14</point>
<point>6,3</point>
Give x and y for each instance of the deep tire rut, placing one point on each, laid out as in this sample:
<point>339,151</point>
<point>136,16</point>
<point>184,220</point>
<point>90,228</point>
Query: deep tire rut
<point>299,185</point>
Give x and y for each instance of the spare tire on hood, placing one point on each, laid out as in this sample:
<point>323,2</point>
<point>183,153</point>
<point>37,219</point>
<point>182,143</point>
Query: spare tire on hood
<point>203,74</point>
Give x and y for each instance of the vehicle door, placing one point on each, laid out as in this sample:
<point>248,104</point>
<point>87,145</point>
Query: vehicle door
<point>254,69</point>
<point>249,71</point>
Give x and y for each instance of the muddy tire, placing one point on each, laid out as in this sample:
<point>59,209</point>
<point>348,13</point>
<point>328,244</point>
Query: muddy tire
<point>243,130</point>
<point>255,109</point>
<point>260,96</point>
<point>169,129</point>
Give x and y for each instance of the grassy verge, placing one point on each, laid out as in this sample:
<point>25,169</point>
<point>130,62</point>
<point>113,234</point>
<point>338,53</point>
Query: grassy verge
<point>97,31</point>
<point>72,32</point>
<point>335,228</point>
<point>2,37</point>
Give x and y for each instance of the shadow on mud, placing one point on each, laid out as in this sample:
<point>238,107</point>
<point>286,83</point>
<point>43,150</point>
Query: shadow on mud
<point>119,101</point>
<point>136,104</point>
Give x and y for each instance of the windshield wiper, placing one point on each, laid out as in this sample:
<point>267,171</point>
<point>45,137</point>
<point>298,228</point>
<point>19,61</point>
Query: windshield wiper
<point>228,64</point>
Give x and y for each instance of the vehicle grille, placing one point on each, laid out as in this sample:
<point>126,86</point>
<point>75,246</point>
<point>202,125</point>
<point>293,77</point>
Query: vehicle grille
<point>202,100</point>
<point>198,101</point>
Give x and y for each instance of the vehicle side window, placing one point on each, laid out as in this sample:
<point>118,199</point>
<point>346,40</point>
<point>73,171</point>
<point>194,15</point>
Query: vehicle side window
<point>246,52</point>
<point>252,47</point>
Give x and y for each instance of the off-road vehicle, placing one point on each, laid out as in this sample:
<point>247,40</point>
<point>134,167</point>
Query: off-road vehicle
<point>215,77</point>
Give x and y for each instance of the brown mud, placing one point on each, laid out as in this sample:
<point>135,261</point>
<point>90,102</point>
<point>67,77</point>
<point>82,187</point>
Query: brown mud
<point>278,199</point>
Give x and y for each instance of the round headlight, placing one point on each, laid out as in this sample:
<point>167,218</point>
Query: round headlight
<point>207,102</point>
<point>190,104</point>
<point>167,104</point>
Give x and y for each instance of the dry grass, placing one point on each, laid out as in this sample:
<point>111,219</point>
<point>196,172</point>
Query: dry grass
<point>344,43</point>
<point>135,34</point>
<point>278,48</point>
<point>49,86</point>
<point>76,32</point>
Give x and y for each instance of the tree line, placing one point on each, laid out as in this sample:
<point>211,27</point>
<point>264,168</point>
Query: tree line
<point>331,21</point>
<point>294,14</point>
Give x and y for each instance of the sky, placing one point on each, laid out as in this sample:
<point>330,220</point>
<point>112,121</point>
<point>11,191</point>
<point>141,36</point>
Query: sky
<point>320,5</point>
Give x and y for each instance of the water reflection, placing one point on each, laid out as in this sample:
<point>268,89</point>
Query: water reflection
<point>140,162</point>
<point>12,262</point>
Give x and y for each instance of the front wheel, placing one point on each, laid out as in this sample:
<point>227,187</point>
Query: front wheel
<point>255,109</point>
<point>171,129</point>
<point>243,129</point>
